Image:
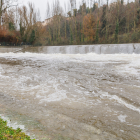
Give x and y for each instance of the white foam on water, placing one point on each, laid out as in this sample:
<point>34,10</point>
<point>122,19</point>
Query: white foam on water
<point>137,125</point>
<point>14,125</point>
<point>122,118</point>
<point>89,56</point>
<point>1,70</point>
<point>99,49</point>
<point>57,96</point>
<point>122,131</point>
<point>119,100</point>
<point>26,83</point>
<point>31,78</point>
<point>130,58</point>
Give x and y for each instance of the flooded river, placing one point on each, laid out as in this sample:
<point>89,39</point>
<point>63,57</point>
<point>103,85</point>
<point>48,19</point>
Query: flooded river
<point>70,96</point>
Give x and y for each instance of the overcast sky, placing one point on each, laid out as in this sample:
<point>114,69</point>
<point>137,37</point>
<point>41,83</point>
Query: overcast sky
<point>42,4</point>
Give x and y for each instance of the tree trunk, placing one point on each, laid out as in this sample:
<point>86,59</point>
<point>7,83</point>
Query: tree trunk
<point>1,12</point>
<point>65,29</point>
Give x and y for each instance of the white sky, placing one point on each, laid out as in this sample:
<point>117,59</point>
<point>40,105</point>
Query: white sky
<point>42,4</point>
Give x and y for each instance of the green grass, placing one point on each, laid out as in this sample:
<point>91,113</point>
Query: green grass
<point>7,133</point>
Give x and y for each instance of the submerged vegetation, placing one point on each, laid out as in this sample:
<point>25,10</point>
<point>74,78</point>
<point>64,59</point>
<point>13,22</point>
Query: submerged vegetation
<point>7,133</point>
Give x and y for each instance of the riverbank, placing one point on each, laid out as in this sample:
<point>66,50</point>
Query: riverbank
<point>9,133</point>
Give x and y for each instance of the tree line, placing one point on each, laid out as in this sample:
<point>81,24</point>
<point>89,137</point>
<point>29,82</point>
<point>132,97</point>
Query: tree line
<point>18,23</point>
<point>91,23</point>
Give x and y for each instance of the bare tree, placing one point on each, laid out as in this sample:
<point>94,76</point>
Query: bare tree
<point>28,17</point>
<point>73,4</point>
<point>57,9</point>
<point>48,11</point>
<point>38,15</point>
<point>4,5</point>
<point>65,21</point>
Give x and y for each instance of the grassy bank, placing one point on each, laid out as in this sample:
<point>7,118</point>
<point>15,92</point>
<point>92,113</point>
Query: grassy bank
<point>7,133</point>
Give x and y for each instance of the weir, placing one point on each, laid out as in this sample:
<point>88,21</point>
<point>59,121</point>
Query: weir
<point>99,49</point>
<point>79,49</point>
<point>10,49</point>
<point>84,49</point>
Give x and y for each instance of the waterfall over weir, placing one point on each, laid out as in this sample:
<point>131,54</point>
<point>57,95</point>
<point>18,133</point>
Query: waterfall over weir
<point>99,49</point>
<point>84,49</point>
<point>79,49</point>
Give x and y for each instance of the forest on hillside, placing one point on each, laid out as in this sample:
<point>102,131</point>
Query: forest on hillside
<point>91,23</point>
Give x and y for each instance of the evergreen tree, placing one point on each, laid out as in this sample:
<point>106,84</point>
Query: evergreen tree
<point>116,32</point>
<point>75,12</point>
<point>97,32</point>
<point>11,26</point>
<point>22,29</point>
<point>25,38</point>
<point>103,20</point>
<point>32,37</point>
<point>80,33</point>
<point>94,7</point>
<point>71,36</point>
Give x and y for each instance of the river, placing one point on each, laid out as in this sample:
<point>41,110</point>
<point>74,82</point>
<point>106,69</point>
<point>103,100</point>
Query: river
<point>73,93</point>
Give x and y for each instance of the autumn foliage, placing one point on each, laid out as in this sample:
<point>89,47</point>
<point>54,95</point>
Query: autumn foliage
<point>115,22</point>
<point>89,27</point>
<point>8,36</point>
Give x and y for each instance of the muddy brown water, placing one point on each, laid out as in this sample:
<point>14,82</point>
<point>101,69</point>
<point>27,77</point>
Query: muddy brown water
<point>72,96</point>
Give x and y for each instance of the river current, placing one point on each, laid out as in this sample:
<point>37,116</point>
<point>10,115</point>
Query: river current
<point>77,94</point>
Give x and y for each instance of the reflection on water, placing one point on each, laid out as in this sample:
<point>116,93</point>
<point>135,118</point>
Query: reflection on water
<point>72,96</point>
